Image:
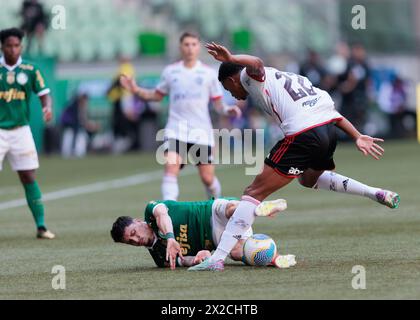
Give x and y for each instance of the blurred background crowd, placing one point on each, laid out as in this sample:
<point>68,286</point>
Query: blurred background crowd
<point>371,74</point>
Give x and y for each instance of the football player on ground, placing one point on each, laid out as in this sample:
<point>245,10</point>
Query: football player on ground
<point>308,119</point>
<point>18,80</point>
<point>184,233</point>
<point>191,85</point>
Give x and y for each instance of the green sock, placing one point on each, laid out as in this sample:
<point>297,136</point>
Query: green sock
<point>34,199</point>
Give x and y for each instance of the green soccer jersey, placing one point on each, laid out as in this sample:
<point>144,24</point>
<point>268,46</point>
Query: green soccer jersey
<point>191,223</point>
<point>17,83</point>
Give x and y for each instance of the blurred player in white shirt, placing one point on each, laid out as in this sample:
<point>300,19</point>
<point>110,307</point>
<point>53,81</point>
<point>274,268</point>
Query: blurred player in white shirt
<point>191,85</point>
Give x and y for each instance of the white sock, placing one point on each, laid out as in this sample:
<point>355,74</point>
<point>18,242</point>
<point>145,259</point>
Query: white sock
<point>241,220</point>
<point>170,189</point>
<point>214,190</point>
<point>335,182</point>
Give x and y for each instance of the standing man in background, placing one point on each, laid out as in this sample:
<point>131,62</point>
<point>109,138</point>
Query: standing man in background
<point>191,85</point>
<point>18,79</point>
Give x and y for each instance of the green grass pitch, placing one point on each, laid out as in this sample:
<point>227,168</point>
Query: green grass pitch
<point>329,234</point>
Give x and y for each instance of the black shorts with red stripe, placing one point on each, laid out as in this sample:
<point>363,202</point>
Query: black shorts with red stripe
<point>311,149</point>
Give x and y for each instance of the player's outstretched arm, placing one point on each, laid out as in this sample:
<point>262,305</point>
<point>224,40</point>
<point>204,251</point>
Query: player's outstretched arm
<point>130,84</point>
<point>46,103</point>
<point>254,65</point>
<point>366,144</point>
<point>164,223</point>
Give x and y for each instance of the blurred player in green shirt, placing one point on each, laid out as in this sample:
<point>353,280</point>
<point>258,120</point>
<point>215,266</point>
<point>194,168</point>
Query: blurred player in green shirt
<point>18,81</point>
<point>183,233</point>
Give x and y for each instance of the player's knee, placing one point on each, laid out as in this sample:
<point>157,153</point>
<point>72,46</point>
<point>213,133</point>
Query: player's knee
<point>172,170</point>
<point>173,163</point>
<point>249,191</point>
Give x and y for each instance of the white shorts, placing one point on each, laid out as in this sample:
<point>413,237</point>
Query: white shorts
<point>19,147</point>
<point>219,220</point>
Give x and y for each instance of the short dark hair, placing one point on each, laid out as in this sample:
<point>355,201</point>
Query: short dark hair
<point>12,32</point>
<point>228,69</point>
<point>189,34</point>
<point>118,228</point>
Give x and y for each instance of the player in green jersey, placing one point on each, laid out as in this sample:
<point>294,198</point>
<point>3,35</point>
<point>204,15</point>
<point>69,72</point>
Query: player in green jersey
<point>184,233</point>
<point>18,80</point>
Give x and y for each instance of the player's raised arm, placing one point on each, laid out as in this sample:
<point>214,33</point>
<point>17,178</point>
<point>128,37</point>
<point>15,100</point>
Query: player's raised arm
<point>164,223</point>
<point>254,65</point>
<point>130,84</point>
<point>366,144</point>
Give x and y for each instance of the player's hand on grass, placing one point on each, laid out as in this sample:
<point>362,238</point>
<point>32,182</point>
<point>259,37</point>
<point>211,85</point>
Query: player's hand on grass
<point>219,52</point>
<point>47,113</point>
<point>173,249</point>
<point>128,83</point>
<point>201,255</point>
<point>368,146</point>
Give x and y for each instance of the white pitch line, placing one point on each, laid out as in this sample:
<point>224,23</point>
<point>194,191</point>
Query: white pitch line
<point>9,190</point>
<point>94,188</point>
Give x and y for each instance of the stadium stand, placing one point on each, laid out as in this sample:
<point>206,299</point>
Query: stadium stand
<point>102,30</point>
<point>97,30</point>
